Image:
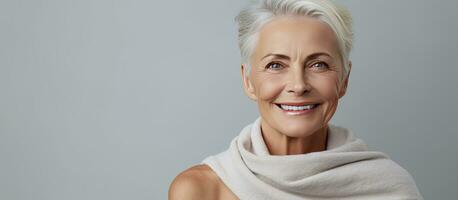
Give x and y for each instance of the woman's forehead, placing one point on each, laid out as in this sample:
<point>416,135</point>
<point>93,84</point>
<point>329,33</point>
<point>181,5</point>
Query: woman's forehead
<point>293,34</point>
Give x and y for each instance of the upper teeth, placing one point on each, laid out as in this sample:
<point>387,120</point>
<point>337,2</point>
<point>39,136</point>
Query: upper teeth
<point>306,107</point>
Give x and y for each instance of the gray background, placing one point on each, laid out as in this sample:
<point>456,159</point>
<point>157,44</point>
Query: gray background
<point>112,99</point>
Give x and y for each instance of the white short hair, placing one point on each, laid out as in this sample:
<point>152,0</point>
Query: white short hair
<point>252,18</point>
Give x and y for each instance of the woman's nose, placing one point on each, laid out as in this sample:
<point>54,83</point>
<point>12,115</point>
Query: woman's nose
<point>299,84</point>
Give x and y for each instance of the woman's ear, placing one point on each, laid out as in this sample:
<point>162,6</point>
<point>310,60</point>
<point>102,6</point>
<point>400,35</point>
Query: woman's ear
<point>247,85</point>
<point>343,90</point>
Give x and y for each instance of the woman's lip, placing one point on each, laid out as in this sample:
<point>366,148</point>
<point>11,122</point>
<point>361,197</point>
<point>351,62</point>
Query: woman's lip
<point>297,103</point>
<point>279,105</point>
<point>297,112</point>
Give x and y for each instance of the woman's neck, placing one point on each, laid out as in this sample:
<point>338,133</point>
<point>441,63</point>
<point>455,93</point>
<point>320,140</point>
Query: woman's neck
<point>281,144</point>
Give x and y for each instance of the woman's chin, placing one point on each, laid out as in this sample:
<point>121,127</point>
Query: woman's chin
<point>293,124</point>
<point>299,130</point>
<point>297,127</point>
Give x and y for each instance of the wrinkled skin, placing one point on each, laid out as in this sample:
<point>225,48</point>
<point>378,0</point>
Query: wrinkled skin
<point>298,77</point>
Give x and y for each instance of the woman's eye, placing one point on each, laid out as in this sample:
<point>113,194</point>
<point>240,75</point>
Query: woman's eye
<point>273,66</point>
<point>320,65</point>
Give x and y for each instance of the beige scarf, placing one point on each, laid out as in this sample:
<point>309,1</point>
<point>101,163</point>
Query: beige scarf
<point>345,170</point>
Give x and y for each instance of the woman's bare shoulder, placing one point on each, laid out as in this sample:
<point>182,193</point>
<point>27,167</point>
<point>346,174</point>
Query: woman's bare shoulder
<point>196,182</point>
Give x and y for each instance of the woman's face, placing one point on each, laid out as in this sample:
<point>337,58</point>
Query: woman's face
<point>296,60</point>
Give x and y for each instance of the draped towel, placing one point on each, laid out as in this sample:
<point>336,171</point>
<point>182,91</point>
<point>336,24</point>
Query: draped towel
<point>347,169</point>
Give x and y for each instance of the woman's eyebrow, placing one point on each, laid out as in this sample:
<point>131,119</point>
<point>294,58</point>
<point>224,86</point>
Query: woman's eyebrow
<point>280,56</point>
<point>309,57</point>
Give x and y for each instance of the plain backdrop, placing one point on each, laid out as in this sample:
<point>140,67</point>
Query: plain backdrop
<point>112,99</point>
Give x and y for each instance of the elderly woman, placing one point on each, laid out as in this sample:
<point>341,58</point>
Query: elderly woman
<point>296,67</point>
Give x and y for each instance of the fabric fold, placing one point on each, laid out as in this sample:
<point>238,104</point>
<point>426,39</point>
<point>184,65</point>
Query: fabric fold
<point>347,169</point>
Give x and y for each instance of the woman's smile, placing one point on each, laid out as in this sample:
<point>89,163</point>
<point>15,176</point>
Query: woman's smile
<point>292,110</point>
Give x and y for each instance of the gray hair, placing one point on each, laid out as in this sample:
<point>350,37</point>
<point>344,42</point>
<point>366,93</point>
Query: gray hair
<point>252,18</point>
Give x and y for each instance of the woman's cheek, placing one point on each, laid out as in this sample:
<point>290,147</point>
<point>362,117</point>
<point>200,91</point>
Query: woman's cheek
<point>329,90</point>
<point>326,85</point>
<point>270,88</point>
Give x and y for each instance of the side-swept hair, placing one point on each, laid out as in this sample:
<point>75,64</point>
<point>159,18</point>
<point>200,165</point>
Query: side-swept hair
<point>252,18</point>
